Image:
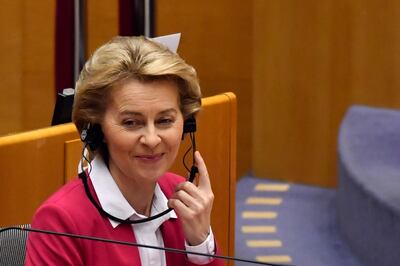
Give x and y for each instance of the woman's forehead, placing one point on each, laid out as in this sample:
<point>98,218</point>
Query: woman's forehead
<point>136,96</point>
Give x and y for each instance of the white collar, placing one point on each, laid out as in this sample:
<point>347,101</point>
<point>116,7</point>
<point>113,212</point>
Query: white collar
<point>113,202</point>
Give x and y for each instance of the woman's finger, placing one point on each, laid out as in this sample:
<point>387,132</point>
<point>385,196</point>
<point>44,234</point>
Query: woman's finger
<point>190,201</point>
<point>204,179</point>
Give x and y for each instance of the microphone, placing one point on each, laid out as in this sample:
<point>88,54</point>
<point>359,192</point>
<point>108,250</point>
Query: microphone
<point>92,238</point>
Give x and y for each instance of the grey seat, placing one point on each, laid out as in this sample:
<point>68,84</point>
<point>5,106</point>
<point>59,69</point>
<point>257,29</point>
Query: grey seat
<point>369,185</point>
<point>13,245</point>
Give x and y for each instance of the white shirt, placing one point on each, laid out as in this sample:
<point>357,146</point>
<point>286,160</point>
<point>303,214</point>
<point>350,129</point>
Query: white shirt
<point>148,233</point>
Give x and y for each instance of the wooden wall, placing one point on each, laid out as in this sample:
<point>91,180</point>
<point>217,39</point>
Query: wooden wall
<point>102,23</point>
<point>295,66</point>
<point>26,64</point>
<point>217,41</point>
<point>27,58</point>
<point>212,43</point>
<point>312,60</point>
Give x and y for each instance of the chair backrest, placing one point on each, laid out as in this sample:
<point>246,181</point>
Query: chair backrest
<point>31,168</point>
<point>13,246</point>
<point>35,164</point>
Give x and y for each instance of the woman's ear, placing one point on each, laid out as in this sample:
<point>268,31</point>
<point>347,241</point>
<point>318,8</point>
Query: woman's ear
<point>93,136</point>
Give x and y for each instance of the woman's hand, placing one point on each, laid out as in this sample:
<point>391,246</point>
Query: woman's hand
<point>193,205</point>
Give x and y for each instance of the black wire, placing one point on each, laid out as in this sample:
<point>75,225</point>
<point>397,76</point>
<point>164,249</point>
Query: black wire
<point>84,176</point>
<point>192,148</point>
<point>92,238</point>
<point>193,140</point>
<point>86,159</point>
<point>184,158</point>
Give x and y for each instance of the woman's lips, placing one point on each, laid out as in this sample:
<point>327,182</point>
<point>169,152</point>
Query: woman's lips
<point>150,158</point>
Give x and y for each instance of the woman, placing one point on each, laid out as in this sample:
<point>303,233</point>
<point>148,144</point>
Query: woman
<point>132,98</point>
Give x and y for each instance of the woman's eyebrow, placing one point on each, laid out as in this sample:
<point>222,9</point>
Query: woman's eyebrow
<point>135,113</point>
<point>170,110</point>
<point>130,113</point>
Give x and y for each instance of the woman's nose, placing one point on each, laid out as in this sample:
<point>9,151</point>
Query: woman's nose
<point>150,137</point>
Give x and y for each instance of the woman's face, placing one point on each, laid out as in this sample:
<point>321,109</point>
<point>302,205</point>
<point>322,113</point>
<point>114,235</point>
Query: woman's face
<point>142,129</point>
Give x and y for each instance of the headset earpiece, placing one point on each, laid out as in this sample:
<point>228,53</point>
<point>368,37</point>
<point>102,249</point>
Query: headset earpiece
<point>92,136</point>
<point>189,125</point>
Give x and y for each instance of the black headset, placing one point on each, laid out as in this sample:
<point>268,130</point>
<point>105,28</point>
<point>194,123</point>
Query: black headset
<point>92,137</point>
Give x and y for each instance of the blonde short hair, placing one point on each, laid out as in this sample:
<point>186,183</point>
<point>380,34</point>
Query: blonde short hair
<point>125,58</point>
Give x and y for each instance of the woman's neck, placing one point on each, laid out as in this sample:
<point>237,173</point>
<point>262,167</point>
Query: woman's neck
<point>139,194</point>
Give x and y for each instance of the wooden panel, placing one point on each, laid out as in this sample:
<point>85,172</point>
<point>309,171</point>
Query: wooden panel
<point>32,167</point>
<point>26,65</point>
<point>102,22</point>
<point>313,60</point>
<point>217,41</point>
<point>290,111</point>
<point>73,155</point>
<point>11,66</point>
<point>38,85</point>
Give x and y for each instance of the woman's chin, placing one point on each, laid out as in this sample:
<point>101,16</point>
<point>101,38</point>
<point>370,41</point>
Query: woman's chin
<point>151,175</point>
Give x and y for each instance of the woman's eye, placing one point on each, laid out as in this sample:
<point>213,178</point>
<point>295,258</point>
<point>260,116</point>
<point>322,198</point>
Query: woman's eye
<point>165,121</point>
<point>130,123</point>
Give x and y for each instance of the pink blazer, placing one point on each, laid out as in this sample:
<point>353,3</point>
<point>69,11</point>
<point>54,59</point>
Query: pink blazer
<point>69,210</point>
